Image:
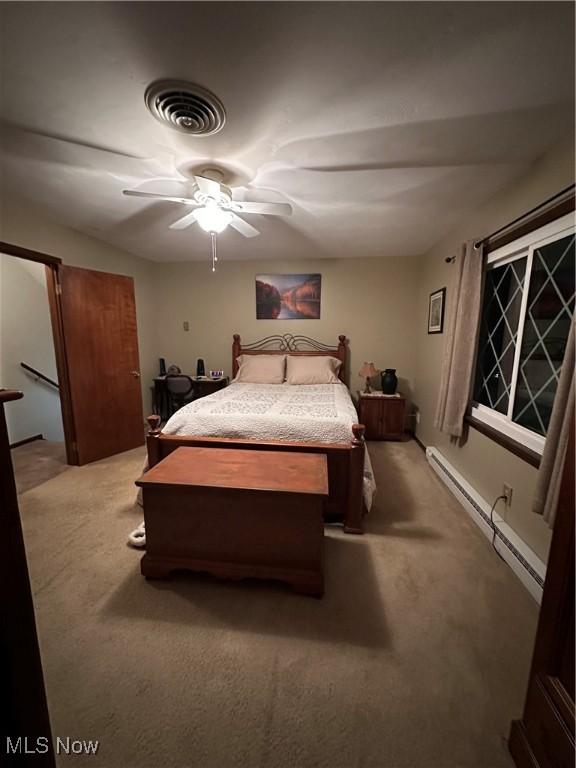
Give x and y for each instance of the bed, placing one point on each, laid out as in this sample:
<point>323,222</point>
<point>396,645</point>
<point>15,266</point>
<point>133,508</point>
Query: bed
<point>315,418</point>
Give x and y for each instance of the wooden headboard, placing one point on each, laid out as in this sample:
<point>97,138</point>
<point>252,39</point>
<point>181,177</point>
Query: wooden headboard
<point>287,344</point>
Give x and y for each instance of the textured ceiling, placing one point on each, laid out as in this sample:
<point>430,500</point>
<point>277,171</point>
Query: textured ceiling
<point>382,123</point>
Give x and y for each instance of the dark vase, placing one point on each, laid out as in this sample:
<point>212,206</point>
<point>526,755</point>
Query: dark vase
<point>389,381</point>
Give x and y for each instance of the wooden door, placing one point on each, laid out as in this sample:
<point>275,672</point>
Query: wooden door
<point>544,738</point>
<point>98,314</point>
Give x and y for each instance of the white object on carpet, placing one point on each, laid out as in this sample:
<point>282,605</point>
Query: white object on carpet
<point>138,537</point>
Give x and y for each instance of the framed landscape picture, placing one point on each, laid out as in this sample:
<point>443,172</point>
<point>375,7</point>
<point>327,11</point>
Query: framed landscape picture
<point>436,311</point>
<point>288,297</point>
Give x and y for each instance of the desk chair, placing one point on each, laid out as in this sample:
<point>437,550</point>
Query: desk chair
<point>180,390</point>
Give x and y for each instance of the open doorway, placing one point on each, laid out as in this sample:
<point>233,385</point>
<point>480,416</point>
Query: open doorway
<point>91,335</point>
<point>28,364</point>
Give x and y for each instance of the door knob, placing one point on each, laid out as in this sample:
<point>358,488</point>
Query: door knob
<point>136,374</point>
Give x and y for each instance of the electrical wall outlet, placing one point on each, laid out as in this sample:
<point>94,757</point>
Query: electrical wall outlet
<point>507,493</point>
<point>417,417</point>
<point>186,325</point>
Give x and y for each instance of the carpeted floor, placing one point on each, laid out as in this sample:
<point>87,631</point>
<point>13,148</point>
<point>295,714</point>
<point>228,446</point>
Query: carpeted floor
<point>417,657</point>
<point>36,462</point>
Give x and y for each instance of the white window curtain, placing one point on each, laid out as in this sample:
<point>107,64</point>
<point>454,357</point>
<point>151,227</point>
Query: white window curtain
<point>460,349</point>
<point>561,419</point>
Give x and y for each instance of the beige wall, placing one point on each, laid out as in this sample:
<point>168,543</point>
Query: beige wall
<point>380,304</point>
<point>485,464</point>
<point>23,224</point>
<point>372,301</point>
<point>26,336</point>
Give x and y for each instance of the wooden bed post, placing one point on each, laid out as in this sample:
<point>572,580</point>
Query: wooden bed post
<point>152,444</point>
<point>236,351</point>
<point>353,520</point>
<point>343,356</point>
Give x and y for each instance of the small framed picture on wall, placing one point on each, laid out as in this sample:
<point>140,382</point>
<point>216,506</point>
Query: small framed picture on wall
<point>436,311</point>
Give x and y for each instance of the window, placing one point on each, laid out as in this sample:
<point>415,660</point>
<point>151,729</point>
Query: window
<point>526,314</point>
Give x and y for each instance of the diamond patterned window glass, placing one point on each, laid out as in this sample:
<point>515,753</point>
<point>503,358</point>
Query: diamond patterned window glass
<point>546,327</point>
<point>498,334</point>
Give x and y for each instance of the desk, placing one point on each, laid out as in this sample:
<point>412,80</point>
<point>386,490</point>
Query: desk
<point>202,387</point>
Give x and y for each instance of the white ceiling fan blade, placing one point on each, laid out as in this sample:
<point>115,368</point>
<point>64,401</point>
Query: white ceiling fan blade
<point>158,196</point>
<point>270,209</point>
<point>155,180</point>
<point>185,221</point>
<point>207,186</point>
<point>243,227</point>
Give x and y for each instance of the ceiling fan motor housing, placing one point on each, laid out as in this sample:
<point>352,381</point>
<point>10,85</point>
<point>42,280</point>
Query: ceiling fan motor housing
<point>223,197</point>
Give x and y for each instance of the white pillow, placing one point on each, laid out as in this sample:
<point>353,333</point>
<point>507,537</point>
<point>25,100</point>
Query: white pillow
<point>261,369</point>
<point>305,369</point>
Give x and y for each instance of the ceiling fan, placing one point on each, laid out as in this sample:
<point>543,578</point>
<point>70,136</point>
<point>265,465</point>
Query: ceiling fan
<point>214,208</point>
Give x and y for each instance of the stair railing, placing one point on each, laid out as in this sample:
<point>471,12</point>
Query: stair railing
<point>39,375</point>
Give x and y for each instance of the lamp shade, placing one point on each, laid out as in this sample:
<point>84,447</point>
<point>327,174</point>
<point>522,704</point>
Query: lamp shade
<point>213,219</point>
<point>367,371</point>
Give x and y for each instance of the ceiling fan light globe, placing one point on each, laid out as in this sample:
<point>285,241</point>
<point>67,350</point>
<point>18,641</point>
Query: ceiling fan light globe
<point>213,219</point>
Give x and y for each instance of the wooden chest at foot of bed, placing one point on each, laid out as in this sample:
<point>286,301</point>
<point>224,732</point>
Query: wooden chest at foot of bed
<point>237,514</point>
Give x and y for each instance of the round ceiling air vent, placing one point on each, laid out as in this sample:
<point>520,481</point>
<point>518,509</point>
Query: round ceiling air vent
<point>186,107</point>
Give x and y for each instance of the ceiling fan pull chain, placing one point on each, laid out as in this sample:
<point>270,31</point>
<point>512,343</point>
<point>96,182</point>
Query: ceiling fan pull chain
<point>214,257</point>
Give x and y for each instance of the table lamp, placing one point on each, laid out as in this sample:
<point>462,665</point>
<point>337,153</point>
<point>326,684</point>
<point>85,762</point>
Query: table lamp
<point>367,371</point>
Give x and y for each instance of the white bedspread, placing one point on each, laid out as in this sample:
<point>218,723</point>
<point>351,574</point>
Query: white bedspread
<point>313,413</point>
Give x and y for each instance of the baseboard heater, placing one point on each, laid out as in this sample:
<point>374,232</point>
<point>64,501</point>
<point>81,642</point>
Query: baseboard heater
<point>524,562</point>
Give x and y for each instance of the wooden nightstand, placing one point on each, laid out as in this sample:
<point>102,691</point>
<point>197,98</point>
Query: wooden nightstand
<point>203,387</point>
<point>382,415</point>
